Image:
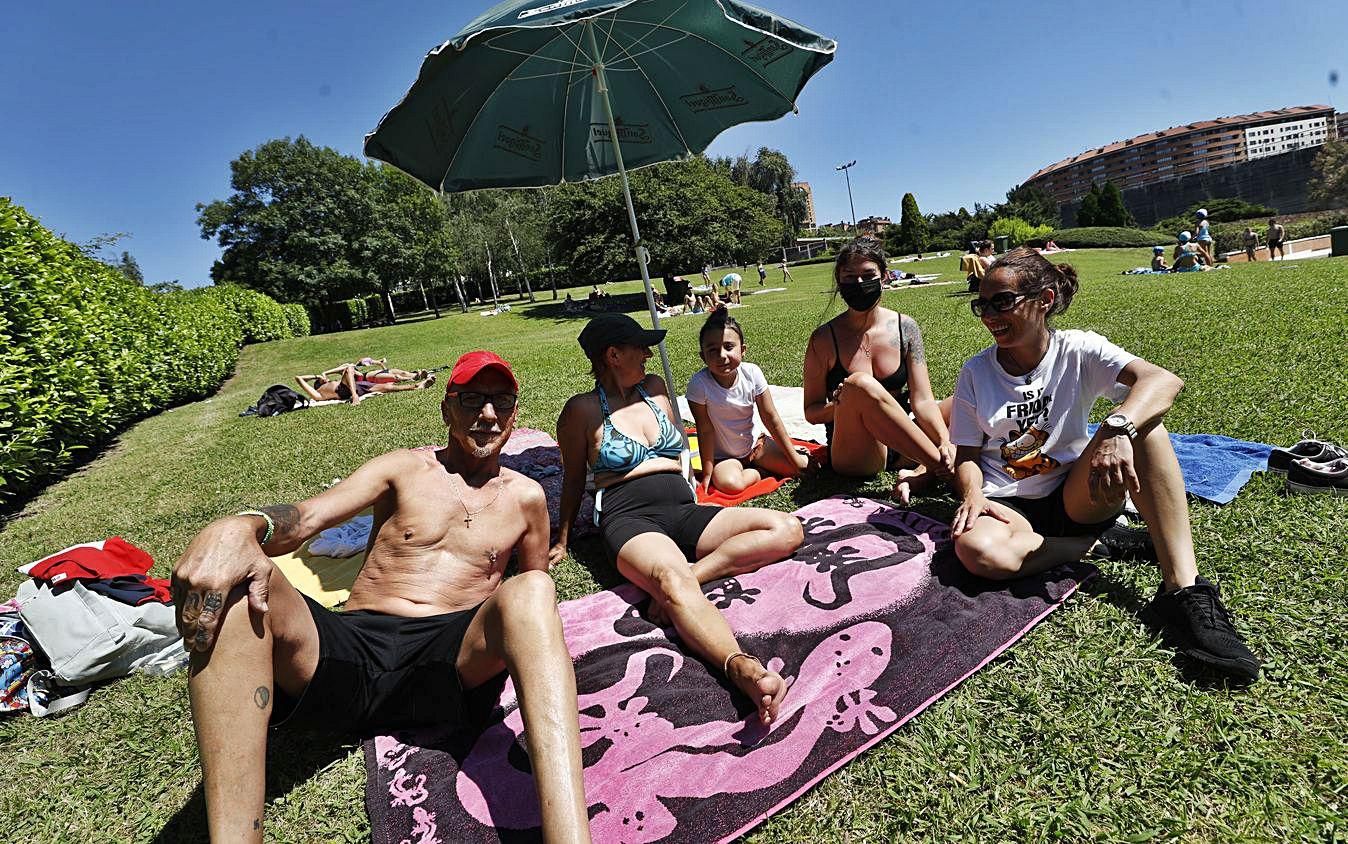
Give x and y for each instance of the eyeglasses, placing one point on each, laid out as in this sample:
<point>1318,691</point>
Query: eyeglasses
<point>1000,303</point>
<point>477,401</point>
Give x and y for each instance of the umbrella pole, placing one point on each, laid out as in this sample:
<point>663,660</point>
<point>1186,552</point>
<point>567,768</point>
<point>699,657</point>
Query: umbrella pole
<point>601,88</point>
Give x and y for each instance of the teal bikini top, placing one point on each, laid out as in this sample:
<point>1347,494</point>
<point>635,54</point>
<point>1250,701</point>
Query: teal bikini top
<point>620,453</point>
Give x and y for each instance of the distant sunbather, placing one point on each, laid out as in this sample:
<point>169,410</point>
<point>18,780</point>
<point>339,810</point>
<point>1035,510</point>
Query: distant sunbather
<point>351,386</point>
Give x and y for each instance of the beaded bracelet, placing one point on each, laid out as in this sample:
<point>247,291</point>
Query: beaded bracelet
<point>725,669</point>
<point>271,525</point>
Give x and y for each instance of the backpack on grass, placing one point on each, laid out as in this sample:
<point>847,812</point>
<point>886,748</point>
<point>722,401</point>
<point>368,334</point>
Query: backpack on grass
<point>276,399</point>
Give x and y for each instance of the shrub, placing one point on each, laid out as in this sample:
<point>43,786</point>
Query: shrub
<point>1097,237</point>
<point>1017,230</point>
<point>375,313</point>
<point>297,320</point>
<point>88,351</point>
<point>259,315</point>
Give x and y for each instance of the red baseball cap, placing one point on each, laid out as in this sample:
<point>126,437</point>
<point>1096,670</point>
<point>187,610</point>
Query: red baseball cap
<point>471,363</point>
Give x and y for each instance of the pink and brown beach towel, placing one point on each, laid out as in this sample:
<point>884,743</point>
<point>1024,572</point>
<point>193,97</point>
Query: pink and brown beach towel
<point>871,621</point>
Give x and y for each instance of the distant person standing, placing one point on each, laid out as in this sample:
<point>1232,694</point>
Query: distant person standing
<point>762,274</point>
<point>1203,240</point>
<point>1250,241</point>
<point>706,273</point>
<point>786,274</point>
<point>1276,236</point>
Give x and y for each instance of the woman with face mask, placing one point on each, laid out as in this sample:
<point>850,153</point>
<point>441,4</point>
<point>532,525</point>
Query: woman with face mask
<point>866,382</point>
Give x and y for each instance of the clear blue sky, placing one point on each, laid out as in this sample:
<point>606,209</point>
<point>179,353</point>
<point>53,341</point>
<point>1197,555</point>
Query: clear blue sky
<point>122,116</point>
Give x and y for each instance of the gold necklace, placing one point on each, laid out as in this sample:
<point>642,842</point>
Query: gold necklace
<point>469,514</point>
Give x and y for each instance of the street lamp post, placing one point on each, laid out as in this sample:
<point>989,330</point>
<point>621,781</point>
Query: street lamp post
<point>844,168</point>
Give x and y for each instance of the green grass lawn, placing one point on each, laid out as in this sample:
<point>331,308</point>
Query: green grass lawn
<point>1087,729</point>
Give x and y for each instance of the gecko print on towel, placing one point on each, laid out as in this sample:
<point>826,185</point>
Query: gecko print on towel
<point>870,621</point>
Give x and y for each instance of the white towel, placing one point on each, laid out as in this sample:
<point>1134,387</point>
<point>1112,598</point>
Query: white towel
<point>345,540</point>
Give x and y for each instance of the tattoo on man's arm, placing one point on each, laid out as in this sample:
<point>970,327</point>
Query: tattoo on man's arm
<point>913,335</point>
<point>261,696</point>
<point>257,823</point>
<point>213,602</point>
<point>285,516</point>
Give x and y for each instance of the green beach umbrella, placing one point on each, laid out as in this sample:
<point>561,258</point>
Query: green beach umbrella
<point>537,92</point>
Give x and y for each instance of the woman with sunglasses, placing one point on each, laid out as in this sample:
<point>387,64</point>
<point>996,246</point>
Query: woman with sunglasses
<point>651,524</point>
<point>866,381</point>
<point>1037,490</point>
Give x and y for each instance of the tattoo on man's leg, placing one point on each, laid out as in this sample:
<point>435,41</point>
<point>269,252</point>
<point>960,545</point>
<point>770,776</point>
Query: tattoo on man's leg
<point>261,695</point>
<point>257,823</point>
<point>213,602</point>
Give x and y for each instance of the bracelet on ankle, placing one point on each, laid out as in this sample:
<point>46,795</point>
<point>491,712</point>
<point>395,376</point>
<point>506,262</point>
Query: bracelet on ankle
<point>725,669</point>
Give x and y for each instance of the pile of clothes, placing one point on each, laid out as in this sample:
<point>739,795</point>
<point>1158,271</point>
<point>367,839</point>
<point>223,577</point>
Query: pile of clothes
<point>88,613</point>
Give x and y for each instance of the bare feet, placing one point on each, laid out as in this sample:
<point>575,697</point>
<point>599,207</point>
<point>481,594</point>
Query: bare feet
<point>765,688</point>
<point>910,482</point>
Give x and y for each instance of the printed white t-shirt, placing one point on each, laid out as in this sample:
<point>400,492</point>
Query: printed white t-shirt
<point>1032,427</point>
<point>731,410</point>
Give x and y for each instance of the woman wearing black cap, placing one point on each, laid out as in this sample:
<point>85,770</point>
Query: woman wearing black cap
<point>650,521</point>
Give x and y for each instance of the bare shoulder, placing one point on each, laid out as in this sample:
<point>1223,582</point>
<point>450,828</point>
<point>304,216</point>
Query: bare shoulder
<point>524,489</point>
<point>400,462</point>
<point>655,385</point>
<point>579,406</point>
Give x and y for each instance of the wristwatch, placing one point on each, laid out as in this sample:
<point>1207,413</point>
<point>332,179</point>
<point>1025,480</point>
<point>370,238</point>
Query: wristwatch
<point>1118,423</point>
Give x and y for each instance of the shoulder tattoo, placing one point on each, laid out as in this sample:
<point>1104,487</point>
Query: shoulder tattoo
<point>912,339</point>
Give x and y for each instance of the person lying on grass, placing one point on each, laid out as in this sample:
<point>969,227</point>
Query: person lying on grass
<point>377,370</point>
<point>352,386</point>
<point>430,616</point>
<point>1036,491</point>
<point>651,524</point>
<point>722,396</point>
<point>866,382</point>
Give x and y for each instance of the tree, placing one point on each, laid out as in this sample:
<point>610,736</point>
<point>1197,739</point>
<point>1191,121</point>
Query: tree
<point>913,231</point>
<point>1112,210</point>
<point>1328,187</point>
<point>690,213</point>
<point>298,224</point>
<point>1031,204</point>
<point>128,267</point>
<point>1089,212</point>
<point>770,173</point>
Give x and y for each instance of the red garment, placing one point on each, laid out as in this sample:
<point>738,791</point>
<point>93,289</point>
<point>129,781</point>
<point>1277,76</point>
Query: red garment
<point>88,562</point>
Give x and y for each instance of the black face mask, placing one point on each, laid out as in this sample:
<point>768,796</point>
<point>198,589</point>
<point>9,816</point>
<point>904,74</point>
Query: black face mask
<point>861,296</point>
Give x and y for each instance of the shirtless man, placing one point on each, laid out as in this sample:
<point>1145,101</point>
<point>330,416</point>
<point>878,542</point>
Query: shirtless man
<point>429,608</point>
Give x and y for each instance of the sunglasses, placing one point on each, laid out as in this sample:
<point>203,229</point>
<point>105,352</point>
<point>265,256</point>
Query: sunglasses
<point>477,401</point>
<point>1000,304</point>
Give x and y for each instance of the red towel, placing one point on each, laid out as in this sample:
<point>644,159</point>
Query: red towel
<point>768,484</point>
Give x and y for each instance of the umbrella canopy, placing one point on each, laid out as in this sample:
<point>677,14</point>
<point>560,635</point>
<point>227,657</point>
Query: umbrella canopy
<point>511,100</point>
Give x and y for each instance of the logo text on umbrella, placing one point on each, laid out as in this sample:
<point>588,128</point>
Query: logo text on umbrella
<point>705,100</point>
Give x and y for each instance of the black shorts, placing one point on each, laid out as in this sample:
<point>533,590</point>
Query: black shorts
<point>661,503</point>
<point>1048,515</point>
<point>379,672</point>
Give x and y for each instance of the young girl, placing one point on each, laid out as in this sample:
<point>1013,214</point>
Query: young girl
<point>722,396</point>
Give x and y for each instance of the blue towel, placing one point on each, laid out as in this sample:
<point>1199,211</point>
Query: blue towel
<point>1216,467</point>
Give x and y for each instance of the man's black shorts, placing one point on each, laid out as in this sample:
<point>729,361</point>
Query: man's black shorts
<point>1048,515</point>
<point>379,672</point>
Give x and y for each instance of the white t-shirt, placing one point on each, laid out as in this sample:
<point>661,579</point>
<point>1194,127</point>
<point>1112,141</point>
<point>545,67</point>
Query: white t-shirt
<point>1033,427</point>
<point>731,410</point>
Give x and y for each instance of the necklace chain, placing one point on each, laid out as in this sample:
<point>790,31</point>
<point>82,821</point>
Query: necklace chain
<point>469,514</point>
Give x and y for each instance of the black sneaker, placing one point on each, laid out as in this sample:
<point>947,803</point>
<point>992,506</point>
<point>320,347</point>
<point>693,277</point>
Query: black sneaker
<point>1280,460</point>
<point>1125,543</point>
<point>1194,620</point>
<point>1308,478</point>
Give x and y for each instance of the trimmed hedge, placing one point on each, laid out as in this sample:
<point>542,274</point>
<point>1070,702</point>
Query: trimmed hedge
<point>297,320</point>
<point>261,316</point>
<point>88,351</point>
<point>1100,237</point>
